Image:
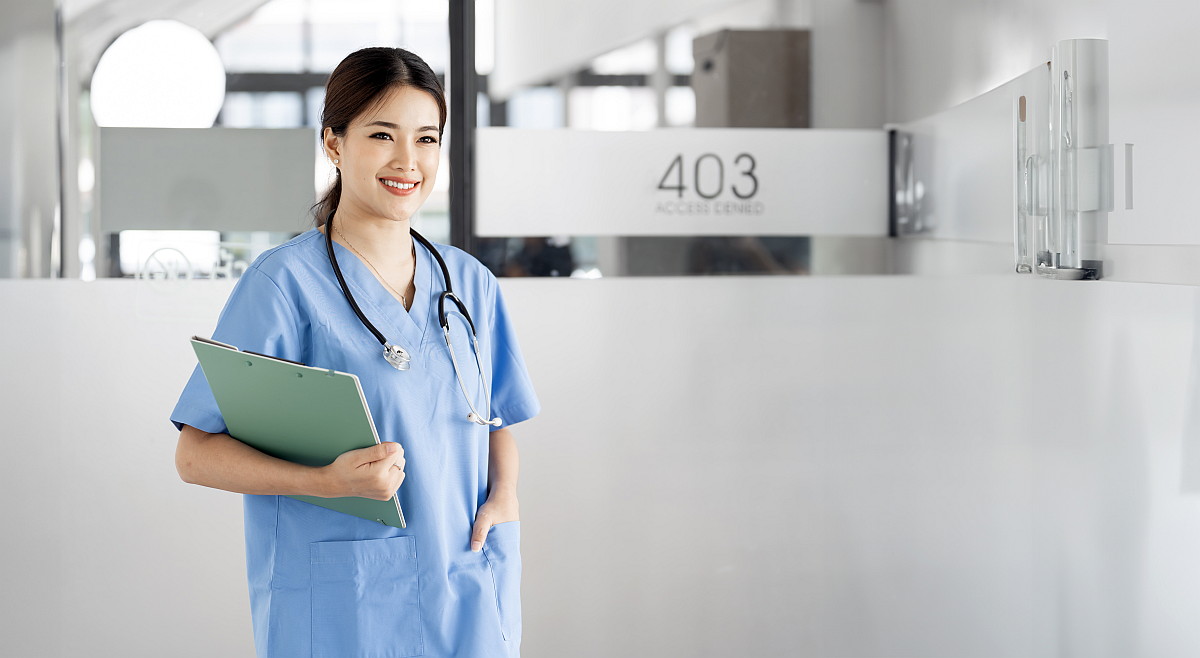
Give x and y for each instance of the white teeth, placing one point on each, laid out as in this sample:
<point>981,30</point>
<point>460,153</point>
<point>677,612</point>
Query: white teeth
<point>399,186</point>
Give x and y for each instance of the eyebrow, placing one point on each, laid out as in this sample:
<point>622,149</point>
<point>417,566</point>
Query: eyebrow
<point>387,124</point>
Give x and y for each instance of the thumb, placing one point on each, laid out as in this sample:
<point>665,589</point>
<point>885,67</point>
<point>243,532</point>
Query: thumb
<point>479,533</point>
<point>377,452</point>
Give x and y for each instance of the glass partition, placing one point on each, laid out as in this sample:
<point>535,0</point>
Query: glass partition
<point>149,199</point>
<point>676,69</point>
<point>622,69</point>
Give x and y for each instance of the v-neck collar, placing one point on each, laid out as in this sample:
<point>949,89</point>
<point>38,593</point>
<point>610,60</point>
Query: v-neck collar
<point>398,326</point>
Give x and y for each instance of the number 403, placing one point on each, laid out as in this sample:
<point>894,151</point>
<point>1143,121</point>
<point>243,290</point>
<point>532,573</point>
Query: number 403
<point>708,167</point>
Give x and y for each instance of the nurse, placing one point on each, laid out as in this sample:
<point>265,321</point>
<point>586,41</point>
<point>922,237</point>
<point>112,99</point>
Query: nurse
<point>324,583</point>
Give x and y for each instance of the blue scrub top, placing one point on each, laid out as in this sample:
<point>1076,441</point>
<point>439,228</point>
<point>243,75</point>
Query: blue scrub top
<point>324,583</point>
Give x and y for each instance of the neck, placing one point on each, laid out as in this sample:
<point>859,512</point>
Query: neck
<point>377,238</point>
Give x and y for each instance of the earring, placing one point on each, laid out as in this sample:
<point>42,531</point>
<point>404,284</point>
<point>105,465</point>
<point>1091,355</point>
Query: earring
<point>336,161</point>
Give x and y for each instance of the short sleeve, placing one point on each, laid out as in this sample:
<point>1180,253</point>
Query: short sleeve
<point>258,317</point>
<point>513,398</point>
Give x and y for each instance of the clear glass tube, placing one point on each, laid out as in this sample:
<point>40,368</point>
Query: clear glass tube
<point>1079,194</point>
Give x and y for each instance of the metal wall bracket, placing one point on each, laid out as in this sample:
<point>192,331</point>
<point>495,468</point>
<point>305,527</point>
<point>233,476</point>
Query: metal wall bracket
<point>905,216</point>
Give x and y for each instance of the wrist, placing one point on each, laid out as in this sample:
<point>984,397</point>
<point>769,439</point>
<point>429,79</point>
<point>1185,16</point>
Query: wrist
<point>504,501</point>
<point>500,493</point>
<point>503,505</point>
<point>320,482</point>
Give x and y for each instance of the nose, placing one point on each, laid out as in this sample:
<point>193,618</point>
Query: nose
<point>405,157</point>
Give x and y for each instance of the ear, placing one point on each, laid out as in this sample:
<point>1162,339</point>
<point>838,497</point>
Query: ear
<point>332,143</point>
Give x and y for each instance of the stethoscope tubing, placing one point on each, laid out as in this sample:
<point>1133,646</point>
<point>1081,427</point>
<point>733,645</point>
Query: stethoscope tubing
<point>447,294</point>
<point>443,320</point>
<point>337,271</point>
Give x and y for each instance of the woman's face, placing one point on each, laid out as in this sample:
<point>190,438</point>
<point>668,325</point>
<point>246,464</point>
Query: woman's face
<point>388,156</point>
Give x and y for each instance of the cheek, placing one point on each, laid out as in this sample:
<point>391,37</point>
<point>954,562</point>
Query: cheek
<point>429,167</point>
<point>359,180</point>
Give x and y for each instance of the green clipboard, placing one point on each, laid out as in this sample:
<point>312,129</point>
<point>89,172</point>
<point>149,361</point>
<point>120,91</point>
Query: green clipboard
<point>295,412</point>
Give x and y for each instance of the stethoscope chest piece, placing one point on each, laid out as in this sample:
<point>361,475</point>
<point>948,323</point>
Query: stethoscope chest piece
<point>397,356</point>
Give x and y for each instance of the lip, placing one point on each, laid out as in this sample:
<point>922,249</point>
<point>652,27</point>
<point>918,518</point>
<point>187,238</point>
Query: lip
<point>416,185</point>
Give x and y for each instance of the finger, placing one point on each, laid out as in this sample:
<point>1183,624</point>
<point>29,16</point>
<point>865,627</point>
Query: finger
<point>378,452</point>
<point>386,480</point>
<point>388,465</point>
<point>479,533</point>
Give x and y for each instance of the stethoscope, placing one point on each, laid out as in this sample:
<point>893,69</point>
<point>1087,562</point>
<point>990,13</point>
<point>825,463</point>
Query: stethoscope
<point>397,356</point>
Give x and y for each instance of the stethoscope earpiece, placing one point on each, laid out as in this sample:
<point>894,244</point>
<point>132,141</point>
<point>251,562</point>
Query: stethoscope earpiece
<point>475,418</point>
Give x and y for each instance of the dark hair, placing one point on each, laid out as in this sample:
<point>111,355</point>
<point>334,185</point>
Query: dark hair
<point>360,82</point>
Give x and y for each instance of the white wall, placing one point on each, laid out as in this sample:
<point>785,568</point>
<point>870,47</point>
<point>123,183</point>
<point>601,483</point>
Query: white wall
<point>983,466</point>
<point>105,552</point>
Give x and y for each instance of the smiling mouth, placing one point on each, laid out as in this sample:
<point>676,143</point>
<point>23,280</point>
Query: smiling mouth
<point>399,186</point>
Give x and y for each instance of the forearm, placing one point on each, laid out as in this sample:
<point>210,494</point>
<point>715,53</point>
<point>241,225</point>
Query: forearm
<point>222,462</point>
<point>503,464</point>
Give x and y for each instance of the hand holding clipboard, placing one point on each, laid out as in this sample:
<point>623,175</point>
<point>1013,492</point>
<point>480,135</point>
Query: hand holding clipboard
<point>306,415</point>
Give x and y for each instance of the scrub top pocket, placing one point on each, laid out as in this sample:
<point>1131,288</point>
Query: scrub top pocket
<point>366,598</point>
<point>503,551</point>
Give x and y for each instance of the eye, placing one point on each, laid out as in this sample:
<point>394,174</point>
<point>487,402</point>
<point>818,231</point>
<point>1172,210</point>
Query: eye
<point>428,139</point>
<point>381,136</point>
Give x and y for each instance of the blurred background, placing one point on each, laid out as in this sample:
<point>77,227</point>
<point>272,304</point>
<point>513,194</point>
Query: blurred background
<point>762,257</point>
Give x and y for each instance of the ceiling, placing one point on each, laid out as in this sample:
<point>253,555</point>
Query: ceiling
<point>91,25</point>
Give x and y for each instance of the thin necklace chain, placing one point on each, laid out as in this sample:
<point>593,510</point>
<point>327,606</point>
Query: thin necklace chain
<point>403,297</point>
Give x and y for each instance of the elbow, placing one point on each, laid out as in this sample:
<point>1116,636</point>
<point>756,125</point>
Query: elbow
<point>185,468</point>
<point>184,473</point>
<point>185,455</point>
